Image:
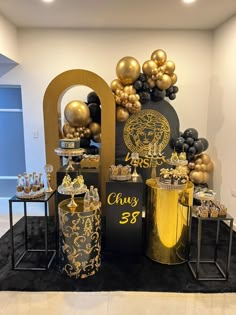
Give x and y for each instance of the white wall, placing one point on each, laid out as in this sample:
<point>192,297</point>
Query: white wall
<point>47,53</point>
<point>8,40</point>
<point>221,129</point>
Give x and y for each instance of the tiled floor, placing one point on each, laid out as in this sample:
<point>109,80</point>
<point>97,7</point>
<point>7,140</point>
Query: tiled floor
<point>110,303</point>
<point>115,303</point>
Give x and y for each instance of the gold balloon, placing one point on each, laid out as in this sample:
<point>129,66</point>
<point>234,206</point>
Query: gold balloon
<point>116,84</point>
<point>66,129</point>
<point>97,138</point>
<point>122,114</point>
<point>169,67</point>
<point>198,161</point>
<point>77,113</point>
<point>95,128</point>
<point>148,67</point>
<point>205,177</point>
<point>165,82</point>
<point>151,83</point>
<point>205,158</point>
<point>128,70</point>
<point>159,56</point>
<point>191,165</point>
<point>196,177</point>
<point>173,78</point>
<point>87,133</point>
<point>203,167</point>
<point>198,167</point>
<point>129,89</point>
<point>209,167</point>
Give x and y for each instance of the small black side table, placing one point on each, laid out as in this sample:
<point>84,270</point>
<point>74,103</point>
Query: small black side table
<point>196,263</point>
<point>48,254</point>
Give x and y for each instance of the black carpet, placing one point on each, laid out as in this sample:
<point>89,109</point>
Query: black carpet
<point>117,272</point>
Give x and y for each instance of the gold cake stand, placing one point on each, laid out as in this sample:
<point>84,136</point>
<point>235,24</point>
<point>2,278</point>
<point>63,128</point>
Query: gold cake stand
<point>69,153</point>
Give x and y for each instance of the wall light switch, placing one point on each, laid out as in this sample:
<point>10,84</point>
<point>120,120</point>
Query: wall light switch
<point>35,134</point>
<point>233,192</point>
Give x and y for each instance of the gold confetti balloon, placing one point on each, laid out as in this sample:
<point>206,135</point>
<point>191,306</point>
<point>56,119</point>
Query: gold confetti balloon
<point>77,113</point>
<point>128,70</point>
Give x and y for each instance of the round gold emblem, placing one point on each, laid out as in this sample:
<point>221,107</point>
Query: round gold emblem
<point>144,128</point>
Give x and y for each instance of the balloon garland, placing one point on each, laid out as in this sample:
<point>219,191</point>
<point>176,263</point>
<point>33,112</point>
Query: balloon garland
<point>133,88</point>
<point>83,121</point>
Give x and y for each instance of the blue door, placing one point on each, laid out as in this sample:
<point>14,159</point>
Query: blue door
<point>12,149</point>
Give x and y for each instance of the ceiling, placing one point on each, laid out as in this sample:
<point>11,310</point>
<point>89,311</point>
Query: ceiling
<point>122,14</point>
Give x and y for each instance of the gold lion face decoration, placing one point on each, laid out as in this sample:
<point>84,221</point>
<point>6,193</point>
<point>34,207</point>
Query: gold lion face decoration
<point>145,127</point>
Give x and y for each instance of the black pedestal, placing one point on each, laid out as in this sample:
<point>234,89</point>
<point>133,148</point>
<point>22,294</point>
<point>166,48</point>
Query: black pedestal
<point>124,216</point>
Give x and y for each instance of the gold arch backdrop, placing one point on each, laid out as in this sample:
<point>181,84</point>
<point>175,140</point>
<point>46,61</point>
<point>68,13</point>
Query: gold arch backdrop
<point>52,115</point>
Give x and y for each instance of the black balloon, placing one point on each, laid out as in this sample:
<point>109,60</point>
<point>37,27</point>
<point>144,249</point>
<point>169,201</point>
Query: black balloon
<point>192,151</point>
<point>157,95</point>
<point>84,142</point>
<point>185,147</point>
<point>144,97</point>
<point>179,144</point>
<point>92,150</point>
<point>172,96</point>
<point>95,112</point>
<point>204,142</point>
<point>146,86</point>
<point>138,84</point>
<point>142,77</point>
<point>198,146</point>
<point>93,98</point>
<point>189,141</point>
<point>191,132</point>
<point>175,89</point>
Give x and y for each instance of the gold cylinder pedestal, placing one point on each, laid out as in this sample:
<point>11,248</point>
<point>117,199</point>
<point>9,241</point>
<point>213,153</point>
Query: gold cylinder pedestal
<point>79,240</point>
<point>167,217</point>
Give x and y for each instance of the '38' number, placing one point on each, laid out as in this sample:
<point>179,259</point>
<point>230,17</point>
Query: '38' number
<point>129,217</point>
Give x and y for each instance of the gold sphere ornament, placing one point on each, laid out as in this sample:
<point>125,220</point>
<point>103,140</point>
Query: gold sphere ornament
<point>149,67</point>
<point>128,70</point>
<point>165,82</point>
<point>173,78</point>
<point>77,113</point>
<point>159,56</point>
<point>95,128</point>
<point>122,114</point>
<point>116,84</point>
<point>169,67</point>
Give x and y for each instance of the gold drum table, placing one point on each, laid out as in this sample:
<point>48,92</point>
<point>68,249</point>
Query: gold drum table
<point>79,240</point>
<point>167,222</point>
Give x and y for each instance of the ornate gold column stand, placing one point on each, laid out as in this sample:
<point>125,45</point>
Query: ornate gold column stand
<point>79,240</point>
<point>167,219</point>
